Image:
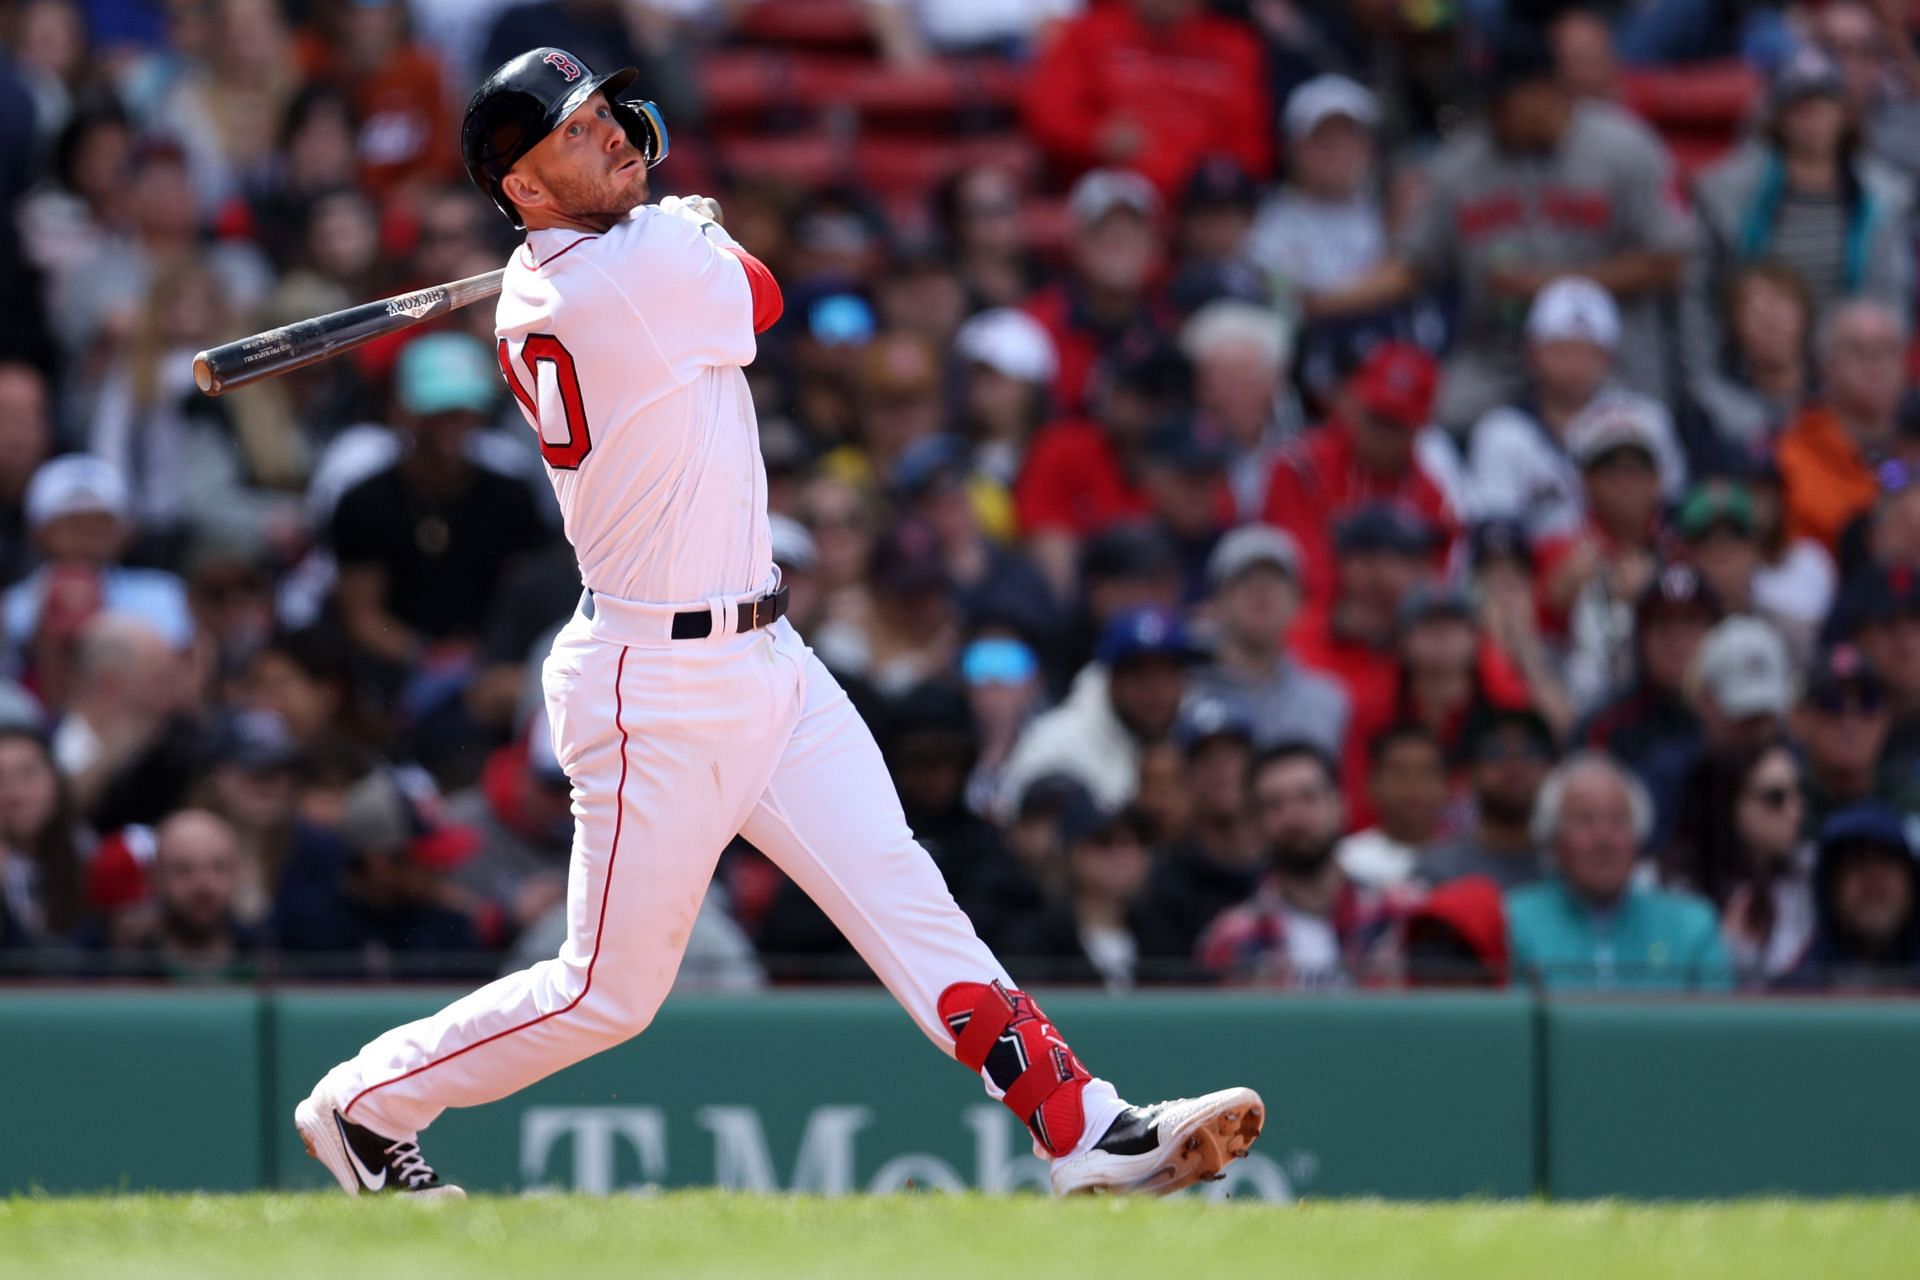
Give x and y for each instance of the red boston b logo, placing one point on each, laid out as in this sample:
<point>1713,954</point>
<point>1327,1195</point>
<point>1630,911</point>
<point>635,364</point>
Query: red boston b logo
<point>564,65</point>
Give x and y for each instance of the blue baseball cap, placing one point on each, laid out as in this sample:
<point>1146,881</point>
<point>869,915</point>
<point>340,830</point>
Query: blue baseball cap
<point>998,660</point>
<point>841,320</point>
<point>1869,823</point>
<point>444,372</point>
<point>1211,718</point>
<point>1147,632</point>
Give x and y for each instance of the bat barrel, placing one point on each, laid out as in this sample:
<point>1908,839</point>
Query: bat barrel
<point>232,365</point>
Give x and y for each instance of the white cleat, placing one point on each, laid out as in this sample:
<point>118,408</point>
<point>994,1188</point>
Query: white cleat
<point>359,1159</point>
<point>1160,1149</point>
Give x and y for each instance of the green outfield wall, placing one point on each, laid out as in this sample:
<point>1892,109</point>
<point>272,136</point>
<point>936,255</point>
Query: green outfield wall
<point>1399,1096</point>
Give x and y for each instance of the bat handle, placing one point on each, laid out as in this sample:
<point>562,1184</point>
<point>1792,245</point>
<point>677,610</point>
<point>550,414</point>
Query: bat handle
<point>204,376</point>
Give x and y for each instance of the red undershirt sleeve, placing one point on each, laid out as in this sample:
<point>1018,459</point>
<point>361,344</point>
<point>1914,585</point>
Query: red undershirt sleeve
<point>767,303</point>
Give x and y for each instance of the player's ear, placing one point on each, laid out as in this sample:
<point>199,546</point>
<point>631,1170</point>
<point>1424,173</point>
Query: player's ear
<point>523,188</point>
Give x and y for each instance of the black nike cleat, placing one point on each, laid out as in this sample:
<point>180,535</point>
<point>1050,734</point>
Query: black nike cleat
<point>359,1159</point>
<point>1162,1148</point>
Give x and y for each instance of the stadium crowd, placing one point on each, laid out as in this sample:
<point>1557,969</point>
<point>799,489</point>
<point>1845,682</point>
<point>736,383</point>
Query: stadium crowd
<point>1341,501</point>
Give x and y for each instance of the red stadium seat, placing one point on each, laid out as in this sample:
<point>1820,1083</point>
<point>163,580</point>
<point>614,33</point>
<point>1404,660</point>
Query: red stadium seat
<point>1703,96</point>
<point>815,23</point>
<point>805,159</point>
<point>744,82</point>
<point>895,165</point>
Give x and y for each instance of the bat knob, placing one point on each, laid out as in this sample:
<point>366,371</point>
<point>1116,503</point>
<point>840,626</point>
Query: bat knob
<point>203,374</point>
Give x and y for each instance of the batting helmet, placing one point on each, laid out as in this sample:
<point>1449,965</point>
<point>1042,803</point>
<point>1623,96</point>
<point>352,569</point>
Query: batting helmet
<point>526,98</point>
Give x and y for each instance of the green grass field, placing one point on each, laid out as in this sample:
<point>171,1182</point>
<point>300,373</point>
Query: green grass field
<point>694,1234</point>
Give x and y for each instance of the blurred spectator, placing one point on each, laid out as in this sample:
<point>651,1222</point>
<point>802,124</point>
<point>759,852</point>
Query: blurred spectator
<point>1828,454</point>
<point>307,680</point>
<point>191,928</point>
<point>1216,212</point>
<point>82,201</point>
<point>990,581</point>
<point>1650,723</point>
<point>1715,525</point>
<point>229,98</point>
<point>124,743</point>
<point>249,764</point>
<point>422,544</point>
<point>1130,566</point>
<point>1093,933</point>
<point>1521,462</point>
<point>26,438</point>
<point>317,153</point>
<point>920,291</point>
<point>1872,44</point>
<point>1154,85</point>
<point>1867,904</point>
<point>1545,187</point>
<point>1843,723</point>
<point>1457,936</point>
<point>385,906</point>
<point>1407,784</point>
<point>522,812</point>
<point>1215,862</point>
<point>1364,454</point>
<point>196,465</point>
<point>1508,753</point>
<point>1796,581</point>
<point>1755,381</point>
<point>1184,475</point>
<point>896,386</point>
<point>1008,365</point>
<point>908,629</point>
<point>1741,684</point>
<point>1240,354</point>
<point>1739,843</point>
<point>979,212</point>
<point>1588,926</point>
<point>1449,673</point>
<point>1004,692</point>
<point>1381,553</point>
<point>843,523</point>
<point>1308,924</point>
<point>1324,227</point>
<point>1082,477</point>
<point>77,510</point>
<point>1583,55</point>
<point>1254,576</point>
<point>1803,194</point>
<point>1592,579</point>
<point>406,128</point>
<point>41,841</point>
<point>1127,697</point>
<point>1102,306</point>
<point>48,41</point>
<point>1882,617</point>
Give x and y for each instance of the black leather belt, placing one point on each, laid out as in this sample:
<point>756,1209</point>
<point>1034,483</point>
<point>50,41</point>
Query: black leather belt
<point>697,624</point>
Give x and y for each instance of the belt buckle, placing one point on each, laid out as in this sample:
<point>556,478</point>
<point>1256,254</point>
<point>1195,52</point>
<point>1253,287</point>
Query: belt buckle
<point>753,623</point>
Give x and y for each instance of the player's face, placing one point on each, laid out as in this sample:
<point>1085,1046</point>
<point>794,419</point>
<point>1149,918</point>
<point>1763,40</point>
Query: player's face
<point>588,167</point>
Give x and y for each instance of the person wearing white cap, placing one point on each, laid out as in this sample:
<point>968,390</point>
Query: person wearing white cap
<point>1324,228</point>
<point>1009,364</point>
<point>77,509</point>
<point>1520,460</point>
<point>1113,256</point>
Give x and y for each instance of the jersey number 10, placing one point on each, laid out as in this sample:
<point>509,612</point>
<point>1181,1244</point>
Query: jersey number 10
<point>561,455</point>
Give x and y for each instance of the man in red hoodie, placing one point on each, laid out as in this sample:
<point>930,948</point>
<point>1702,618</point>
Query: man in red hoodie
<point>1362,455</point>
<point>1155,86</point>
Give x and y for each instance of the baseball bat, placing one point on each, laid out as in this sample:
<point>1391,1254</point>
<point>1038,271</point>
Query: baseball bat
<point>294,346</point>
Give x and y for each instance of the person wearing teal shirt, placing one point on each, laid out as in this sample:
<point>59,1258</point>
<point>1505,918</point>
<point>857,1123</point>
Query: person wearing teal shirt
<point>1588,927</point>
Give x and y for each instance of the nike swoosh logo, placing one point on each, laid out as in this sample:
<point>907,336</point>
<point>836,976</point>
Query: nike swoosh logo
<point>367,1179</point>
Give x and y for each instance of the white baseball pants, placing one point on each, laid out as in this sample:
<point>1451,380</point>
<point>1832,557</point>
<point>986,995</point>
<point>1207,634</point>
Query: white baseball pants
<point>673,747</point>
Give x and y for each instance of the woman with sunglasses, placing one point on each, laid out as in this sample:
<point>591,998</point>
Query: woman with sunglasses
<point>1739,842</point>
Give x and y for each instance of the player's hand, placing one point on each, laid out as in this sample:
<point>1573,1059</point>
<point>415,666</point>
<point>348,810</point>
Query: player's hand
<point>702,211</point>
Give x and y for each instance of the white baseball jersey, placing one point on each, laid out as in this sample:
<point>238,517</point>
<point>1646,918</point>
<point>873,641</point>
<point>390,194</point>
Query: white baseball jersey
<point>624,351</point>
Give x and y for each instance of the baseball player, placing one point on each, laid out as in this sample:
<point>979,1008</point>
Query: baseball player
<point>684,708</point>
